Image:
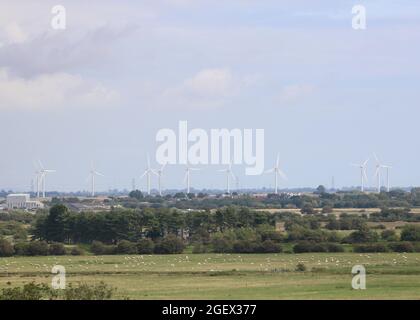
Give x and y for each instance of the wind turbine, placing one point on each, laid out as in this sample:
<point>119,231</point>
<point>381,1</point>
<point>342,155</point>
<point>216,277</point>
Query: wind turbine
<point>148,172</point>
<point>388,168</point>
<point>37,179</point>
<point>42,176</point>
<point>187,176</point>
<point>229,174</point>
<point>277,172</point>
<point>378,173</point>
<point>159,173</point>
<point>93,173</point>
<point>363,174</point>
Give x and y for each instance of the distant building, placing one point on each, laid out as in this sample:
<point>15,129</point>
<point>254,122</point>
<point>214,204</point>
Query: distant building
<point>22,201</point>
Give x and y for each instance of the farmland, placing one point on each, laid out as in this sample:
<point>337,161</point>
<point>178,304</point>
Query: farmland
<point>228,276</point>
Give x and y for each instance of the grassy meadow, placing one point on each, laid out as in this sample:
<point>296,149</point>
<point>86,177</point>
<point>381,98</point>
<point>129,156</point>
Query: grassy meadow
<point>229,276</point>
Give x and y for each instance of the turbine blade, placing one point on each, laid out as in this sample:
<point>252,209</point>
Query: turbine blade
<point>144,173</point>
<point>163,167</point>
<point>282,174</point>
<point>366,162</point>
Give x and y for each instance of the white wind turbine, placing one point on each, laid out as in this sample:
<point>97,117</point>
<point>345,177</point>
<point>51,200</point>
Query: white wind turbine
<point>92,174</point>
<point>42,173</point>
<point>159,173</point>
<point>37,179</point>
<point>388,168</point>
<point>277,172</point>
<point>363,174</point>
<point>378,174</point>
<point>229,174</point>
<point>187,178</point>
<point>148,172</point>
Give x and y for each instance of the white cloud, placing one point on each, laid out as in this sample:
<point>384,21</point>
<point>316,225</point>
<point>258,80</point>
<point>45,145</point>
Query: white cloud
<point>209,88</point>
<point>52,91</point>
<point>296,92</point>
<point>210,82</point>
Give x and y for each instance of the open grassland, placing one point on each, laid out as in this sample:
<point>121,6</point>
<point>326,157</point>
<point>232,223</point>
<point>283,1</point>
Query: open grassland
<point>224,276</point>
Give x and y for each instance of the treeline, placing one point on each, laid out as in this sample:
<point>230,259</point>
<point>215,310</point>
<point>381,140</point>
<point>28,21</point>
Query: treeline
<point>61,225</point>
<point>319,200</point>
<point>36,248</point>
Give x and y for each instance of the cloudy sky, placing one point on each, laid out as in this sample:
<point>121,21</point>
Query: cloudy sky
<point>325,94</point>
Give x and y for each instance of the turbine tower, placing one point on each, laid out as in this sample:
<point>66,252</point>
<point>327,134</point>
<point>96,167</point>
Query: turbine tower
<point>363,174</point>
<point>388,168</point>
<point>378,174</point>
<point>229,174</point>
<point>42,173</point>
<point>187,178</point>
<point>159,173</point>
<point>148,172</point>
<point>277,172</point>
<point>37,180</point>
<point>92,175</point>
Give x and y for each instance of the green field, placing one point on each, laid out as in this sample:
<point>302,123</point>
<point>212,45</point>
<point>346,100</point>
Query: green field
<point>229,276</point>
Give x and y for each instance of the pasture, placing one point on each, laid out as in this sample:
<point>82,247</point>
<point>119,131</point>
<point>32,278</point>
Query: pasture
<point>229,276</point>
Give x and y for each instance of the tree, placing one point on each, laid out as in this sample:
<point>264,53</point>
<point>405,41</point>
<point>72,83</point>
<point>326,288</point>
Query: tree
<point>389,235</point>
<point>136,194</point>
<point>126,247</point>
<point>6,248</point>
<point>308,209</point>
<point>410,233</point>
<point>170,245</point>
<point>55,223</point>
<point>320,190</point>
<point>145,246</point>
<point>57,249</point>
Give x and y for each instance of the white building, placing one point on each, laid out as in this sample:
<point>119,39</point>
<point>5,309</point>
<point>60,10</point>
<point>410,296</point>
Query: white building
<point>22,201</point>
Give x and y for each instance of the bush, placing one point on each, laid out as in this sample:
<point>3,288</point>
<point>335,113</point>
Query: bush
<point>21,248</point>
<point>389,235</point>
<point>100,291</point>
<point>126,247</point>
<point>362,236</point>
<point>222,245</point>
<point>370,248</point>
<point>38,248</point>
<point>170,245</point>
<point>402,247</point>
<point>34,291</point>
<point>300,267</point>
<point>77,251</point>
<point>98,248</point>
<point>30,291</point>
<point>303,247</point>
<point>269,246</point>
<point>145,246</point>
<point>199,248</point>
<point>6,248</point>
<point>244,246</point>
<point>410,233</point>
<point>334,247</point>
<point>57,249</point>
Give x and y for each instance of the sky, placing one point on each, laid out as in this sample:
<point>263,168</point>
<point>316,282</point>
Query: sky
<point>325,94</point>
